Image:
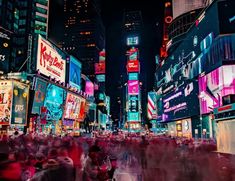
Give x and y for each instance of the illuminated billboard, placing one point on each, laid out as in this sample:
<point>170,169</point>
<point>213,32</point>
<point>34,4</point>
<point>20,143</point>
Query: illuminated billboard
<point>89,88</point>
<point>75,73</point>
<point>82,112</point>
<point>54,101</point>
<point>181,103</point>
<point>133,66</point>
<point>6,93</point>
<point>49,61</point>
<point>133,103</point>
<point>72,108</point>
<point>214,86</point>
<point>133,116</point>
<point>133,87</point>
<point>133,76</point>
<point>102,56</point>
<point>132,41</point>
<point>100,77</point>
<point>39,96</point>
<point>132,54</point>
<point>100,68</point>
<point>19,103</point>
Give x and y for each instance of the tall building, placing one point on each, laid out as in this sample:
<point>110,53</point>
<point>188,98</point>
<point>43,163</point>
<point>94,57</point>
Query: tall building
<point>83,32</point>
<point>133,22</point>
<point>25,19</point>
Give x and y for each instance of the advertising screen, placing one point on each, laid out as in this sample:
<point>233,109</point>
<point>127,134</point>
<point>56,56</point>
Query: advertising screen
<point>133,66</point>
<point>100,77</point>
<point>4,50</point>
<point>133,76</point>
<point>132,41</point>
<point>6,93</point>
<point>54,101</point>
<point>89,89</point>
<point>49,61</point>
<point>100,68</point>
<point>102,56</point>
<point>133,116</point>
<point>19,103</point>
<point>133,54</point>
<point>133,87</point>
<point>133,103</point>
<point>40,94</point>
<point>214,86</point>
<point>72,108</point>
<point>75,73</point>
<point>181,103</point>
<point>82,112</point>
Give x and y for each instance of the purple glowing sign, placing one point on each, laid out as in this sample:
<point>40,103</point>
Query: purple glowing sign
<point>214,86</point>
<point>133,87</point>
<point>89,89</point>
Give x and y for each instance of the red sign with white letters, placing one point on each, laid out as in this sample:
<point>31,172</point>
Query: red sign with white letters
<point>133,66</point>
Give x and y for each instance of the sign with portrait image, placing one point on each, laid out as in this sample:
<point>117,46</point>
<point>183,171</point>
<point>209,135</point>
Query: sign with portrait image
<point>5,102</point>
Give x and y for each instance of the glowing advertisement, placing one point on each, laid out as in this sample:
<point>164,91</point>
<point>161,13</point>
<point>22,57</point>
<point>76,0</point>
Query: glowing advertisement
<point>133,76</point>
<point>181,103</point>
<point>133,116</point>
<point>214,86</point>
<point>72,108</point>
<point>133,66</point>
<point>49,60</point>
<point>6,93</point>
<point>40,94</point>
<point>133,54</point>
<point>133,103</point>
<point>102,56</point>
<point>100,77</point>
<point>54,101</point>
<point>133,87</point>
<point>19,103</point>
<point>82,111</point>
<point>132,41</point>
<point>89,89</point>
<point>75,73</point>
<point>100,68</point>
<point>151,106</point>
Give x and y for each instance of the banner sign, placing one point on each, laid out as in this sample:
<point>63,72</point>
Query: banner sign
<point>19,103</point>
<point>5,102</point>
<point>133,87</point>
<point>50,61</point>
<point>40,93</point>
<point>73,104</point>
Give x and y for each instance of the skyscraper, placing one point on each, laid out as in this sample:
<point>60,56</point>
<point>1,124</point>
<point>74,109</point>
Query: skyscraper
<point>83,32</point>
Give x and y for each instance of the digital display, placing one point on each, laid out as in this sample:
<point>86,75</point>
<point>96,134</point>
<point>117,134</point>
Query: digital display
<point>133,66</point>
<point>133,116</point>
<point>72,108</point>
<point>181,103</point>
<point>133,103</point>
<point>132,40</point>
<point>100,77</point>
<point>75,73</point>
<point>133,87</point>
<point>89,89</point>
<point>100,68</point>
<point>6,94</point>
<point>39,96</point>
<point>214,86</point>
<point>133,76</point>
<point>132,54</point>
<point>54,101</point>
<point>50,61</point>
<point>19,103</point>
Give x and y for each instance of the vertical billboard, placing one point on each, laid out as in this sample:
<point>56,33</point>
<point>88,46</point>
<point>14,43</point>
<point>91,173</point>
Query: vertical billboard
<point>151,106</point>
<point>132,54</point>
<point>50,61</point>
<point>133,76</point>
<point>214,86</point>
<point>4,50</point>
<point>54,102</point>
<point>40,94</point>
<point>100,68</point>
<point>133,87</point>
<point>19,103</point>
<point>6,94</point>
<point>89,88</point>
<point>75,68</point>
<point>82,112</point>
<point>72,108</point>
<point>133,103</point>
<point>102,56</point>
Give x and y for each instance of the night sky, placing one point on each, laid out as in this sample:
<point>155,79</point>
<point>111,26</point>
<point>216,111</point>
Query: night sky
<point>112,15</point>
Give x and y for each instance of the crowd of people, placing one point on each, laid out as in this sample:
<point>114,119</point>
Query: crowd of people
<point>38,157</point>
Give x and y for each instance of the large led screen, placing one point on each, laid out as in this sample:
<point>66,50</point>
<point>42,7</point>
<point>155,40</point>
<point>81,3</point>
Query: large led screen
<point>54,102</point>
<point>6,93</point>
<point>50,61</point>
<point>133,103</point>
<point>19,103</point>
<point>39,96</point>
<point>72,108</point>
<point>133,116</point>
<point>133,54</point>
<point>181,103</point>
<point>133,87</point>
<point>75,73</point>
<point>100,77</point>
<point>214,86</point>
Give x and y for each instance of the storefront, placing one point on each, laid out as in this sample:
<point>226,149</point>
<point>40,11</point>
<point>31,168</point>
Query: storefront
<point>180,128</point>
